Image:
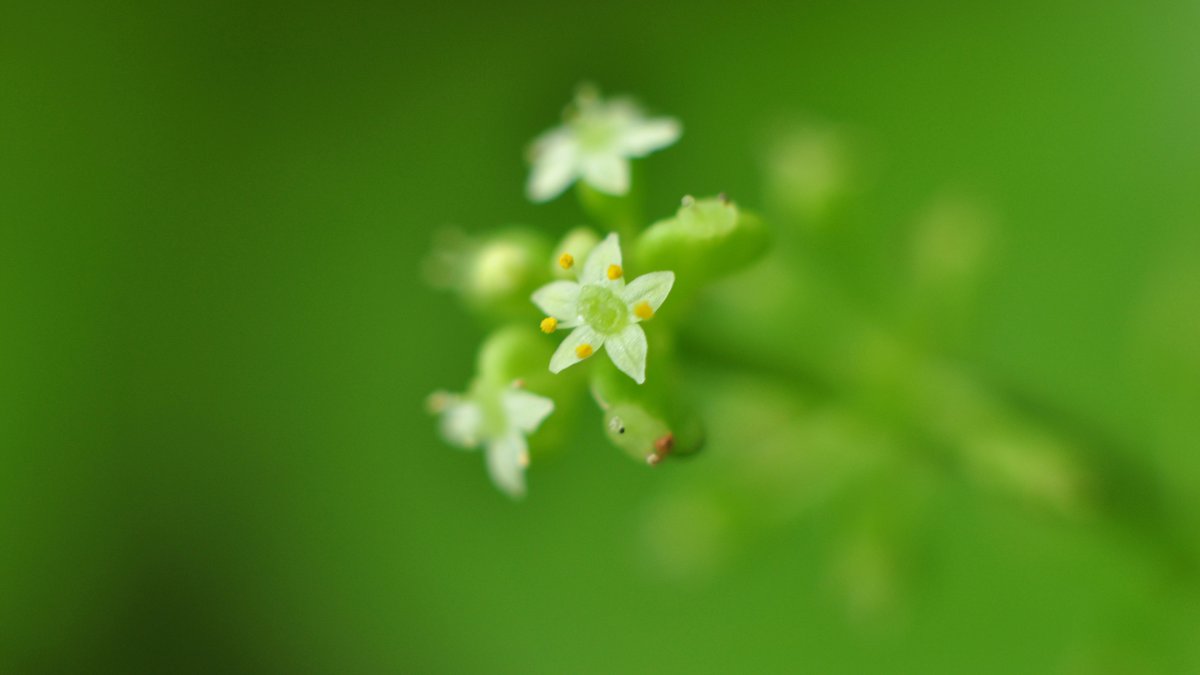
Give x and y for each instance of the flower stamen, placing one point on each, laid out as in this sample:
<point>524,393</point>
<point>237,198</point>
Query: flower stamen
<point>615,272</point>
<point>566,261</point>
<point>643,311</point>
<point>549,324</point>
<point>584,350</point>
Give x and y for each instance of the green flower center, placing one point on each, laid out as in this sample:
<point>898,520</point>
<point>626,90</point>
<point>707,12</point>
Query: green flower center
<point>487,396</point>
<point>603,309</point>
<point>595,134</point>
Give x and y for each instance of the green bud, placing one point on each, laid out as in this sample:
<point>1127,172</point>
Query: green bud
<point>809,171</point>
<point>640,434</point>
<point>949,254</point>
<point>494,274</point>
<point>511,353</point>
<point>707,238</point>
<point>644,421</point>
<point>950,245</point>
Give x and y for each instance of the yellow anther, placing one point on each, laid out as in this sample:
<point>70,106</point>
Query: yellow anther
<point>583,351</point>
<point>615,272</point>
<point>643,310</point>
<point>566,261</point>
<point>549,324</point>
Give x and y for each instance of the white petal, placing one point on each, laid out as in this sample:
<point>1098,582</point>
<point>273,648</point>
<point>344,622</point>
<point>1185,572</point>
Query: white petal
<point>604,254</point>
<point>566,356</point>
<point>627,350</point>
<point>555,165</point>
<point>652,288</point>
<point>559,299</point>
<point>622,112</point>
<point>462,423</point>
<point>524,410</point>
<point>607,173</point>
<point>506,460</point>
<point>646,136</point>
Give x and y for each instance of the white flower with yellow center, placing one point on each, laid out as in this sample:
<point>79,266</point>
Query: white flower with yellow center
<point>499,418</point>
<point>595,144</point>
<point>603,310</point>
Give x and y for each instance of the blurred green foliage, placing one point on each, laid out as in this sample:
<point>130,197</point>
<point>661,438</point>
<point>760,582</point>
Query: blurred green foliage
<point>217,342</point>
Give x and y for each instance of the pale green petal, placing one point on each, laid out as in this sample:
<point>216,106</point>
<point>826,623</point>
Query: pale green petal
<point>524,410</point>
<point>608,172</point>
<point>462,423</point>
<point>607,252</point>
<point>628,352</point>
<point>566,355</point>
<point>622,112</point>
<point>555,165</point>
<point>652,288</point>
<point>559,299</point>
<point>645,136</point>
<point>507,457</point>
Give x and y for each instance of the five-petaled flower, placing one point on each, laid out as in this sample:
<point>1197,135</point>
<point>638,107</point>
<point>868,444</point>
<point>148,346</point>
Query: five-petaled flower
<point>595,144</point>
<point>499,418</point>
<point>603,310</point>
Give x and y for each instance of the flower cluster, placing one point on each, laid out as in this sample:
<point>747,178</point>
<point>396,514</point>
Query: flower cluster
<point>817,401</point>
<point>583,285</point>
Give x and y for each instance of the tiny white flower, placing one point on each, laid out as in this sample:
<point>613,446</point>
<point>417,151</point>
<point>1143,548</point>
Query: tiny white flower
<point>603,310</point>
<point>499,418</point>
<point>595,144</point>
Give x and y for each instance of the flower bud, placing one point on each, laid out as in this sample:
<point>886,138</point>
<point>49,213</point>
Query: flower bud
<point>706,239</point>
<point>514,353</point>
<point>647,422</point>
<point>809,171</point>
<point>640,434</point>
<point>505,269</point>
<point>493,274</point>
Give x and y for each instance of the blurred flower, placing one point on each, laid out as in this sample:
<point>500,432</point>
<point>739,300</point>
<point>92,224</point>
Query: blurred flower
<point>493,273</point>
<point>603,310</point>
<point>951,244</point>
<point>499,418</point>
<point>687,536</point>
<point>809,168</point>
<point>595,144</point>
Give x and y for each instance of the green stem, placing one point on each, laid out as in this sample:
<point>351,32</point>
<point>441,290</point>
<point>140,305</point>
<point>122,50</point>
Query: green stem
<point>806,334</point>
<point>622,214</point>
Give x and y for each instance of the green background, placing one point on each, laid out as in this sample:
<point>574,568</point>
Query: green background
<point>216,342</point>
